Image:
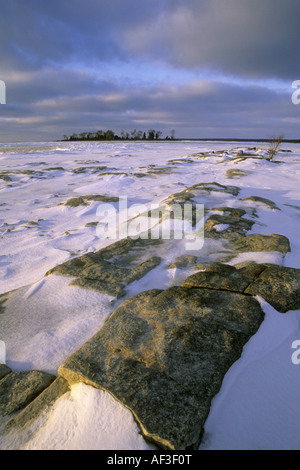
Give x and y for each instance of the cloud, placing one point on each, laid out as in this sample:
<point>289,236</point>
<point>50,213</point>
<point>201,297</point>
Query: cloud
<point>236,37</point>
<point>36,34</point>
<point>199,108</point>
<point>204,67</point>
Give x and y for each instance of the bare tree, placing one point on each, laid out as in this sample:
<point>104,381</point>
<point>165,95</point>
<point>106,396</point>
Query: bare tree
<point>274,144</point>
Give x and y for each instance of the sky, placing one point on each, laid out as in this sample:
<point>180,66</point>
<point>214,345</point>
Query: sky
<point>203,68</point>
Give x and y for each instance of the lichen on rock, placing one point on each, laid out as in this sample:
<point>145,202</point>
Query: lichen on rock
<point>163,354</point>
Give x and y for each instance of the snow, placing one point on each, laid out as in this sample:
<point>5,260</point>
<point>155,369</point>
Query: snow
<point>88,419</point>
<point>46,320</point>
<point>258,407</point>
<point>221,227</point>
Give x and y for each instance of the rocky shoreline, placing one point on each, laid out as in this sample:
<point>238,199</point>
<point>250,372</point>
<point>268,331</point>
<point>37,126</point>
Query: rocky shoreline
<point>163,353</point>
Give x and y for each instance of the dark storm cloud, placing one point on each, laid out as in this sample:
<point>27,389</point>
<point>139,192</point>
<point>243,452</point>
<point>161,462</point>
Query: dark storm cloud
<point>29,87</point>
<point>36,33</point>
<point>72,66</point>
<point>254,38</point>
<point>202,108</point>
<point>257,38</point>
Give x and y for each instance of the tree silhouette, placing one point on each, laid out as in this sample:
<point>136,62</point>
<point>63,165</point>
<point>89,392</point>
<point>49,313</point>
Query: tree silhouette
<point>110,135</point>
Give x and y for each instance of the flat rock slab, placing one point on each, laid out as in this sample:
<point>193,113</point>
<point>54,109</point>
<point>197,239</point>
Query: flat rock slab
<point>4,370</point>
<point>198,190</point>
<point>110,269</point>
<point>234,224</point>
<point>221,277</point>
<point>256,242</point>
<point>242,243</point>
<point>18,389</point>
<point>279,286</point>
<point>183,262</point>
<point>264,201</point>
<point>163,354</point>
<point>42,402</point>
<point>83,200</point>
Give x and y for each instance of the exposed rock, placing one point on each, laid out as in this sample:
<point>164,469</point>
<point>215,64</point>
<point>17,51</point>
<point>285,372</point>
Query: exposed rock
<point>180,161</point>
<point>233,190</point>
<point>93,169</point>
<point>30,224</point>
<point>113,173</point>
<point>3,300</point>
<point>5,178</point>
<point>199,189</point>
<point>251,268</point>
<point>241,156</point>
<point>106,276</point>
<point>266,202</point>
<point>257,242</point>
<point>180,198</point>
<point>31,172</point>
<point>234,173</point>
<point>140,175</point>
<point>4,370</point>
<point>100,198</point>
<point>219,276</point>
<point>75,202</point>
<point>115,289</point>
<point>183,261</point>
<point>160,171</point>
<point>231,211</point>
<point>18,389</point>
<point>87,162</point>
<point>234,224</point>
<point>82,200</point>
<point>55,168</point>
<point>279,286</point>
<point>91,224</point>
<point>163,354</point>
<point>230,225</point>
<point>111,269</point>
<point>43,401</point>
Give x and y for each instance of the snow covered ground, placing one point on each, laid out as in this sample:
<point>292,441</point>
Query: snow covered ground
<point>46,319</point>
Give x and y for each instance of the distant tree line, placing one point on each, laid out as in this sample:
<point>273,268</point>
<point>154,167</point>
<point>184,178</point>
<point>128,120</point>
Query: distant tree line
<point>152,134</point>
